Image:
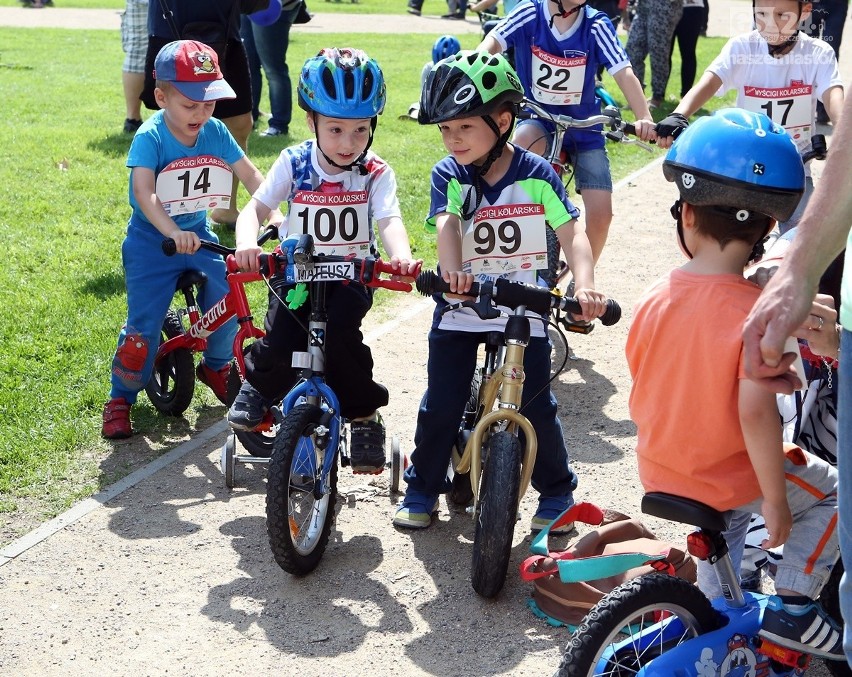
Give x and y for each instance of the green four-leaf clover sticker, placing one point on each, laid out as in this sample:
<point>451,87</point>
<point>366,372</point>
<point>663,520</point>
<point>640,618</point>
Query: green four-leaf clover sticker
<point>297,296</point>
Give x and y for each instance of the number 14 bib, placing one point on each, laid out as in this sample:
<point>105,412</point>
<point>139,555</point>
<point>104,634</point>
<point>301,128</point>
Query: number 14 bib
<point>505,239</point>
<point>194,184</point>
<point>339,222</point>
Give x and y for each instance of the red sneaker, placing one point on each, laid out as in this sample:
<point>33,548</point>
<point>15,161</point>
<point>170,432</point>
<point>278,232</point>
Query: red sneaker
<point>116,425</point>
<point>217,381</point>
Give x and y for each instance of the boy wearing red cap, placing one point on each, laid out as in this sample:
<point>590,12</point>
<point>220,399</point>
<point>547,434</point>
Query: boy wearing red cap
<point>181,164</point>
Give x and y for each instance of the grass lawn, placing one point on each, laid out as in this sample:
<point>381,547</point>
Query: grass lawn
<point>359,7</point>
<point>62,221</point>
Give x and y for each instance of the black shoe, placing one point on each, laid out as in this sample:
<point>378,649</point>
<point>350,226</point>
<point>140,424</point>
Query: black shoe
<point>458,16</point>
<point>130,126</point>
<point>414,8</point>
<point>367,447</point>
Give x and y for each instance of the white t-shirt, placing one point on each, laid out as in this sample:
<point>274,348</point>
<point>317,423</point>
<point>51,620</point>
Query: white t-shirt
<point>787,88</point>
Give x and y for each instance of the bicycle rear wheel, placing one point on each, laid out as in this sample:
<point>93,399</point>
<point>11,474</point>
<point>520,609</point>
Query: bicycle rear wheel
<point>299,510</point>
<point>499,492</point>
<point>172,380</point>
<point>603,645</point>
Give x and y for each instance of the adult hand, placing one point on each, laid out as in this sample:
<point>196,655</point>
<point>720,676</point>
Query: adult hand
<point>820,328</point>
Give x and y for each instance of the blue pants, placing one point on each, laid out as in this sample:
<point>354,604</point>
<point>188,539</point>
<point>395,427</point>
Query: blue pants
<point>452,361</point>
<point>150,277</point>
<point>844,486</point>
<point>266,47</point>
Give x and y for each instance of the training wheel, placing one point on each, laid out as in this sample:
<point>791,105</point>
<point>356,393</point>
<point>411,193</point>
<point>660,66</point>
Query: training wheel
<point>228,461</point>
<point>399,462</point>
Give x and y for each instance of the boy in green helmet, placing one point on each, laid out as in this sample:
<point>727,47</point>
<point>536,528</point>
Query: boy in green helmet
<point>484,183</point>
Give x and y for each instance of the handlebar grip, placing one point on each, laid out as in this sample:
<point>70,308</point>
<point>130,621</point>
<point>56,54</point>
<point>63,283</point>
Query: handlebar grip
<point>428,282</point>
<point>169,247</point>
<point>612,314</point>
<point>630,128</point>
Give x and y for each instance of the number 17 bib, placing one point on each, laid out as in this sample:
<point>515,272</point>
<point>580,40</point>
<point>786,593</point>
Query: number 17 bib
<point>790,107</point>
<point>505,239</point>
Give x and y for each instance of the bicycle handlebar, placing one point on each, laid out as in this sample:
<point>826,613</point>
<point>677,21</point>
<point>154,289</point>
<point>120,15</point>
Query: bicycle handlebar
<point>297,262</point>
<point>513,294</point>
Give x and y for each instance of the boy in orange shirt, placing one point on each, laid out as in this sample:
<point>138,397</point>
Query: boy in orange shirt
<point>704,430</point>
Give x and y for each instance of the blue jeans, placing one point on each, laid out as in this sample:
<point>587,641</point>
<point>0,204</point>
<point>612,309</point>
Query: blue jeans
<point>844,488</point>
<point>266,47</point>
<point>452,361</point>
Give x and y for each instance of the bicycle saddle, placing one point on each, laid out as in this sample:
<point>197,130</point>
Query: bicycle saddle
<point>684,510</point>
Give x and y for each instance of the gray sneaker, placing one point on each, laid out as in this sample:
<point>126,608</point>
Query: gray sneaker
<point>248,409</point>
<point>807,629</point>
<point>273,131</point>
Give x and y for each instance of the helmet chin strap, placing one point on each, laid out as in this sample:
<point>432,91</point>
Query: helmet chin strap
<point>757,251</point>
<point>676,215</point>
<point>777,51</point>
<point>562,11</point>
<point>359,161</point>
<point>480,170</point>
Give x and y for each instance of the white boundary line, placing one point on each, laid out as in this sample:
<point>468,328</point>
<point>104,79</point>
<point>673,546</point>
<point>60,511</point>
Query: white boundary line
<point>80,510</point>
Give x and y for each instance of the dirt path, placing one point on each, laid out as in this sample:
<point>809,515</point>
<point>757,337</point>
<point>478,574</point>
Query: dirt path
<point>174,574</point>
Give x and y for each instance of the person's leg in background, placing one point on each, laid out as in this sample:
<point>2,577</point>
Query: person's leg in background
<point>844,487</point>
<point>686,33</point>
<point>255,74</point>
<point>664,19</point>
<point>134,42</point>
<point>236,114</point>
<point>827,22</point>
<point>705,18</point>
<point>271,43</point>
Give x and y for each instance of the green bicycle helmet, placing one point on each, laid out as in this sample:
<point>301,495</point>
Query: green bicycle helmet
<point>468,84</point>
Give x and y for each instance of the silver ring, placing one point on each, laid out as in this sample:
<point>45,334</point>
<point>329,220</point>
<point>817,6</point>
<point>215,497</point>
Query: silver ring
<point>821,322</point>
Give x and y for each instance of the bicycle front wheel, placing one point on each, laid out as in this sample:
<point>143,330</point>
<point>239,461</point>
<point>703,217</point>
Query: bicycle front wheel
<point>299,504</point>
<point>172,380</point>
<point>499,492</point>
<point>637,622</point>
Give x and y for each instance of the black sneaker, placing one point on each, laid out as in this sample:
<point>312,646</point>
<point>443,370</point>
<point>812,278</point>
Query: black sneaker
<point>248,409</point>
<point>130,126</point>
<point>809,630</point>
<point>367,447</point>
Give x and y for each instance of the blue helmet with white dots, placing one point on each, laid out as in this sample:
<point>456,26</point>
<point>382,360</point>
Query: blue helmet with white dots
<point>445,46</point>
<point>739,159</point>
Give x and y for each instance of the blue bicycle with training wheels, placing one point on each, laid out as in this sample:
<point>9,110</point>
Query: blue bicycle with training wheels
<point>311,439</point>
<point>660,625</point>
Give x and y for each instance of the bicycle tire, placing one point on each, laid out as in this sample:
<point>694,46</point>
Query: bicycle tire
<point>298,523</point>
<point>631,604</point>
<point>499,493</point>
<point>172,381</point>
<point>829,598</point>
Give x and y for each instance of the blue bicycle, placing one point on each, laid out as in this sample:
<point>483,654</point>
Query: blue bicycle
<point>311,439</point>
<point>661,625</point>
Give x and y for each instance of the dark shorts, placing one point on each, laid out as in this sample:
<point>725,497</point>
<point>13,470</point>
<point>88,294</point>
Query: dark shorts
<point>236,72</point>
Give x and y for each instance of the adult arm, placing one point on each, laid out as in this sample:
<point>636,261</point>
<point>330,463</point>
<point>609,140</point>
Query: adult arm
<point>787,298</point>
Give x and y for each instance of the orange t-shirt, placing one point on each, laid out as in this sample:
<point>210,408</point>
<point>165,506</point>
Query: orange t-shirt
<point>685,356</point>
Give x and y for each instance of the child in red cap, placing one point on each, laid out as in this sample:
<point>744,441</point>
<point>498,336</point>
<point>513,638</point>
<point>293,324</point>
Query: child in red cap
<point>181,164</point>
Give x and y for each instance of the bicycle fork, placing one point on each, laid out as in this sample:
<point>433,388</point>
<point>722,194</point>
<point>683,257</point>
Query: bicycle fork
<point>508,383</point>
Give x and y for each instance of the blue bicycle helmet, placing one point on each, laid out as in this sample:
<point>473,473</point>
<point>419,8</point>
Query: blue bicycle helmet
<point>342,83</point>
<point>445,46</point>
<point>738,159</point>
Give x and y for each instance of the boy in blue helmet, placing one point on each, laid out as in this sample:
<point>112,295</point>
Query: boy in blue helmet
<point>718,437</point>
<point>558,47</point>
<point>343,93</point>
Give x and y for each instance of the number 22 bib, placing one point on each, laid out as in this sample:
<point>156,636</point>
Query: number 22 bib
<point>557,80</point>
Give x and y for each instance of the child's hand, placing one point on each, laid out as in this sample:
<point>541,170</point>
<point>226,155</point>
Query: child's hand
<point>459,283</point>
<point>669,128</point>
<point>779,522</point>
<point>247,257</point>
<point>592,302</point>
<point>645,130</point>
<point>186,242</point>
<point>405,270</point>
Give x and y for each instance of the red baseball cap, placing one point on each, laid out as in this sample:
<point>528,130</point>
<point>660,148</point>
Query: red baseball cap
<point>193,69</point>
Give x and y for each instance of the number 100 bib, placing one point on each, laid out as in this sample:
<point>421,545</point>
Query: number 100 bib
<point>338,222</point>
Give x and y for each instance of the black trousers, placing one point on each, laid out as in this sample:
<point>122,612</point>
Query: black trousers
<point>348,362</point>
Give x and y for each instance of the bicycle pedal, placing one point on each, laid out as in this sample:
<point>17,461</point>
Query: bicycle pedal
<point>787,657</point>
<point>578,327</point>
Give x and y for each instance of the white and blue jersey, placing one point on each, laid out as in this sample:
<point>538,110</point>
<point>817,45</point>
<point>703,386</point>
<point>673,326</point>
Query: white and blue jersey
<point>558,70</point>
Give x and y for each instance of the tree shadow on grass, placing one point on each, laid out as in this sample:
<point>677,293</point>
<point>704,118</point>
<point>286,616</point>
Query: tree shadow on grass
<point>104,286</point>
<point>112,145</point>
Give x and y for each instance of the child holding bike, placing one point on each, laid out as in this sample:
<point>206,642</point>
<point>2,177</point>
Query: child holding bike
<point>558,47</point>
<point>343,194</point>
<point>473,97</point>
<point>181,163</point>
<point>775,69</point>
<point>718,437</point>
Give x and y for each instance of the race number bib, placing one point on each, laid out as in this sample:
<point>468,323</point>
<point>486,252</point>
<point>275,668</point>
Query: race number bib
<point>339,222</point>
<point>791,107</point>
<point>505,239</point>
<point>195,184</point>
<point>557,79</point>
